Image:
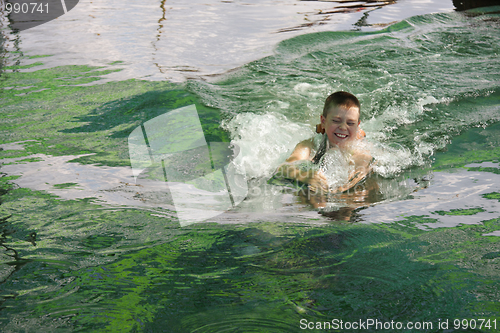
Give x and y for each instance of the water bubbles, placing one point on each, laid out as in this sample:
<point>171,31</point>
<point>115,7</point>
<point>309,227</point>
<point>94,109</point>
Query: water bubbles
<point>308,89</point>
<point>336,166</point>
<point>392,159</point>
<point>265,140</point>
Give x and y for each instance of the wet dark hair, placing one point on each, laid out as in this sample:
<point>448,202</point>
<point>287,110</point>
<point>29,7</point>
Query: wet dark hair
<point>340,98</point>
<point>321,150</point>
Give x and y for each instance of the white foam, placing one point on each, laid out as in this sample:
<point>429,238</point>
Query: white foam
<point>265,140</point>
<point>335,165</point>
<point>392,159</point>
<point>310,90</point>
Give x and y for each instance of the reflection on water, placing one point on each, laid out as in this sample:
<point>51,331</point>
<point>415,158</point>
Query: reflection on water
<point>460,190</point>
<point>176,40</point>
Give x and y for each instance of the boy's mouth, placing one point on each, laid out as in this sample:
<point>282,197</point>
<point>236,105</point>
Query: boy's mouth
<point>341,136</point>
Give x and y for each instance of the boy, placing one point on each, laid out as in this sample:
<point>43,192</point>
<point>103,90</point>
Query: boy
<point>340,128</point>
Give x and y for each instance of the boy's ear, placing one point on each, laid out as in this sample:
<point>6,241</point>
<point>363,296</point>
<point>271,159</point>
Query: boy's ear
<point>320,128</point>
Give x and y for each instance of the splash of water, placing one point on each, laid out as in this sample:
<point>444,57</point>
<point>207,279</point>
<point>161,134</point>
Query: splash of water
<point>420,82</point>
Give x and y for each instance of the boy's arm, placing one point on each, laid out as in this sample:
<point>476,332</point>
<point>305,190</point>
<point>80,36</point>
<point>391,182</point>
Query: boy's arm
<point>302,152</point>
<point>362,167</point>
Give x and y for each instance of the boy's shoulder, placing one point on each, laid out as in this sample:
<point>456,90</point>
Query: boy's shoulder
<point>317,139</point>
<point>302,151</point>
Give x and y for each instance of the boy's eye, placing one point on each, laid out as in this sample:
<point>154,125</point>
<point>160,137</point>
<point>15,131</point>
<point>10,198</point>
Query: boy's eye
<point>350,124</point>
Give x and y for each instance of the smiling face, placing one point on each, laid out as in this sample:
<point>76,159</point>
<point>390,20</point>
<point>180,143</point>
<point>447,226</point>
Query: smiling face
<point>341,125</point>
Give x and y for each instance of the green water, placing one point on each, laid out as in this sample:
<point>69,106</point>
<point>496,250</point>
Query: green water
<point>77,256</point>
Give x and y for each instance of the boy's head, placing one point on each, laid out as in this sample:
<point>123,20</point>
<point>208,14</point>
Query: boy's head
<point>341,99</point>
<point>340,118</point>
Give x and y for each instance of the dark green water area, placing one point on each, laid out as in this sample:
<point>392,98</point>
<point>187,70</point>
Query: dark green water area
<point>430,84</point>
